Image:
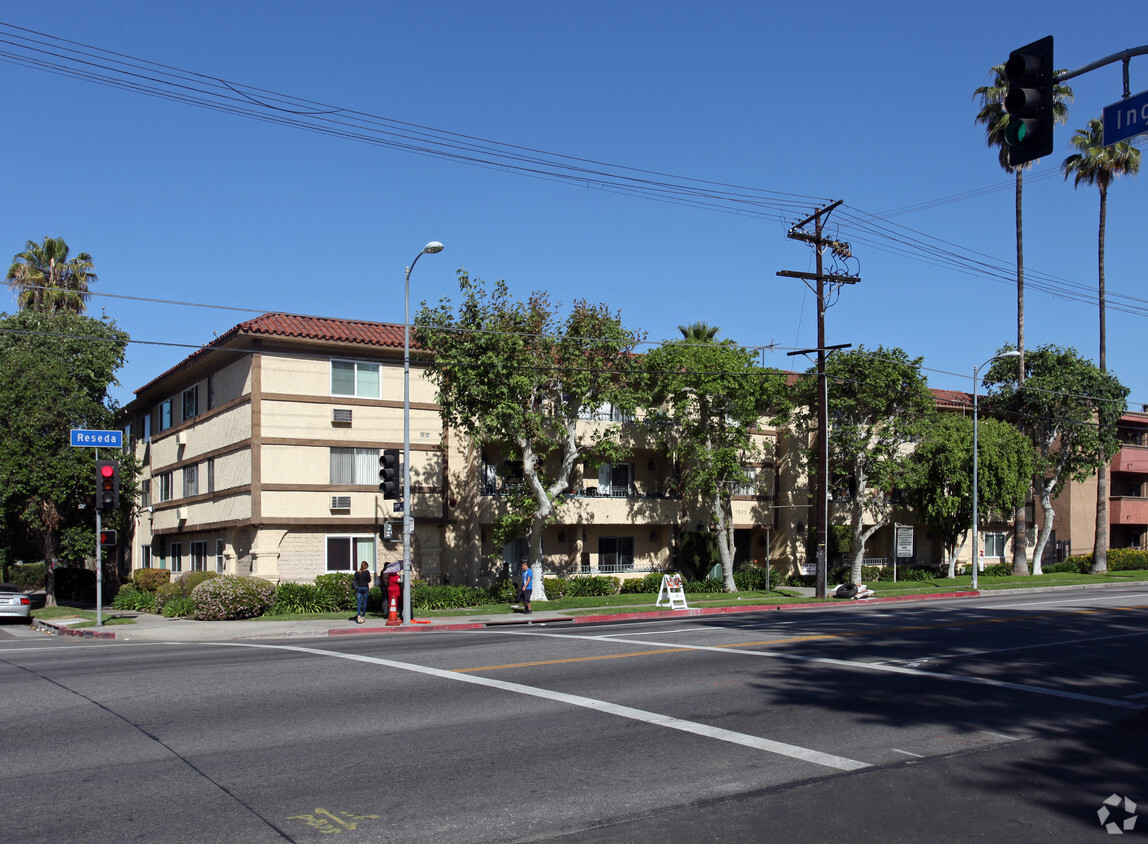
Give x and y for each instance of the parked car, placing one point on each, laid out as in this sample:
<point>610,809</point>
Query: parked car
<point>14,603</point>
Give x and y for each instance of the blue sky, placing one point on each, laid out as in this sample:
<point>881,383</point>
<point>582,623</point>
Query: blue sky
<point>869,103</point>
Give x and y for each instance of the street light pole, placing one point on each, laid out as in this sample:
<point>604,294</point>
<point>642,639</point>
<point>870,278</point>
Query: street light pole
<point>976,515</point>
<point>408,526</point>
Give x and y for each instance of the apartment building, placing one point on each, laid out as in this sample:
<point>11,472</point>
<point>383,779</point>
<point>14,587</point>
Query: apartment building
<point>260,456</point>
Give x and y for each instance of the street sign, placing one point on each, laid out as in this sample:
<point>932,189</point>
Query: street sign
<point>398,505</point>
<point>904,541</point>
<point>1126,119</point>
<point>97,439</point>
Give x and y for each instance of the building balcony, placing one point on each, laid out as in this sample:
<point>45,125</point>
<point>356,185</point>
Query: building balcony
<point>1128,511</point>
<point>1131,458</point>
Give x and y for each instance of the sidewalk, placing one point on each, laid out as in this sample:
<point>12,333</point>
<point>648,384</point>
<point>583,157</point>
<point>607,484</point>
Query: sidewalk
<point>148,627</point>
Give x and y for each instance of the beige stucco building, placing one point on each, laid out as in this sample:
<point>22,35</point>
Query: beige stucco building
<point>260,456</point>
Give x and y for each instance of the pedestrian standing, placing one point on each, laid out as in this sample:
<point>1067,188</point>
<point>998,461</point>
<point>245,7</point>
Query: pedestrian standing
<point>362,589</point>
<point>527,587</point>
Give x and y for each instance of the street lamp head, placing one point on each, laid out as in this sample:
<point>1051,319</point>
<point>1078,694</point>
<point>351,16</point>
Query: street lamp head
<point>433,247</point>
<point>1011,353</point>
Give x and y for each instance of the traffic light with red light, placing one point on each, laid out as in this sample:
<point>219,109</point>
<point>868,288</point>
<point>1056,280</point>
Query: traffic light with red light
<point>1030,73</point>
<point>107,485</point>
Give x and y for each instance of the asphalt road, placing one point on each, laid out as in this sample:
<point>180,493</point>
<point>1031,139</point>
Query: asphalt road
<point>1010,718</point>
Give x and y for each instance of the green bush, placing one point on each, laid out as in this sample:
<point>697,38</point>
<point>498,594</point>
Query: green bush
<point>148,580</point>
<point>504,591</point>
<point>591,586</point>
<point>132,598</point>
<point>168,592</point>
<point>338,587</point>
<point>192,579</point>
<point>303,598</point>
<point>232,596</point>
<point>427,597</point>
<point>554,587</point>
<point>651,583</point>
<point>30,576</point>
<point>710,585</point>
<point>1073,565</point>
<point>752,578</point>
<point>179,607</point>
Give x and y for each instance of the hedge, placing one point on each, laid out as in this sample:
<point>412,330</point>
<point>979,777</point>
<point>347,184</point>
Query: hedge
<point>231,596</point>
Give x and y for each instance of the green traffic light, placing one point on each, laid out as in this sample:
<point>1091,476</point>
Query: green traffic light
<point>1016,132</point>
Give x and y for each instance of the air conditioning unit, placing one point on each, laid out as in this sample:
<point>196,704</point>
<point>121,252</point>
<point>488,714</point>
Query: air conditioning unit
<point>340,502</point>
<point>341,416</point>
<point>181,513</point>
<point>181,438</point>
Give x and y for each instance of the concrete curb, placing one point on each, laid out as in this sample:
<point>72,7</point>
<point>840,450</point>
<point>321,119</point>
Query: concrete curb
<point>515,621</point>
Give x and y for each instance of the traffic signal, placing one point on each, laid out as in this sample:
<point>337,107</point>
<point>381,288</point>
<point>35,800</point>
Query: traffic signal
<point>107,539</point>
<point>1029,72</point>
<point>390,482</point>
<point>107,485</point>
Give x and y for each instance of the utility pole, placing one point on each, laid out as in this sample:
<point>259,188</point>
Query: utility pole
<point>841,250</point>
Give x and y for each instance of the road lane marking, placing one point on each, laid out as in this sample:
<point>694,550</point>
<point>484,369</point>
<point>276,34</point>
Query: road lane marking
<point>1022,647</point>
<point>907,753</point>
<point>792,751</point>
<point>868,666</point>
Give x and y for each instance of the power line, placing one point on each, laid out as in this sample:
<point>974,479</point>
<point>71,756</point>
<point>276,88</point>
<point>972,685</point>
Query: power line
<point>52,54</point>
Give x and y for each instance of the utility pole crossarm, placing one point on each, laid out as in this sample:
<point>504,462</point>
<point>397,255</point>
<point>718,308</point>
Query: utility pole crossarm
<point>830,277</point>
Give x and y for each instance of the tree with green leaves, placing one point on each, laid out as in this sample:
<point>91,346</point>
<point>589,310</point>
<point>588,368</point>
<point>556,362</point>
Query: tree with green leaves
<point>45,278</point>
<point>878,405</point>
<point>699,332</point>
<point>939,481</point>
<point>995,119</point>
<point>706,399</point>
<point>517,374</point>
<point>55,372</point>
<point>1097,164</point>
<point>1068,408</point>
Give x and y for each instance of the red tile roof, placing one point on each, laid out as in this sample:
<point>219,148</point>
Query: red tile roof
<point>384,334</point>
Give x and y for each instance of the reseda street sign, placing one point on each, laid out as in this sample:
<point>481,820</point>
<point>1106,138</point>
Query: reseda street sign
<point>97,439</point>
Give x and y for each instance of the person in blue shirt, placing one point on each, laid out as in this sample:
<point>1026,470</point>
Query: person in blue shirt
<point>527,587</point>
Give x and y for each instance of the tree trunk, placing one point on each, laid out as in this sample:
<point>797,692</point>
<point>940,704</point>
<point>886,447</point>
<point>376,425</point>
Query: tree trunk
<point>955,552</point>
<point>1020,526</point>
<point>1100,545</point>
<point>1045,529</point>
<point>724,543</point>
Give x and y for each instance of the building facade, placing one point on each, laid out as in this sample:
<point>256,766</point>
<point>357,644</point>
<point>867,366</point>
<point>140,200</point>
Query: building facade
<point>260,456</point>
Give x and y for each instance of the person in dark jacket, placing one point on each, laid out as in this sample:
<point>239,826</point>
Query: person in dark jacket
<point>362,589</point>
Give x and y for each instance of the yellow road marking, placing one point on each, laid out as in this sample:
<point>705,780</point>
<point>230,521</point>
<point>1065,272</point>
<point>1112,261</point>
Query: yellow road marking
<point>790,639</point>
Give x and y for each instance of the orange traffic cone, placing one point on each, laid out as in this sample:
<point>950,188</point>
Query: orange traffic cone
<point>393,614</point>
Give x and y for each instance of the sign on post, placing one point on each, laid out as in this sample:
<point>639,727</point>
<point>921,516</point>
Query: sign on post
<point>1126,119</point>
<point>904,541</point>
<point>82,438</point>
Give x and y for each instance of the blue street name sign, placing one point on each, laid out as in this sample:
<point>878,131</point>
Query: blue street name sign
<point>1126,119</point>
<point>97,439</point>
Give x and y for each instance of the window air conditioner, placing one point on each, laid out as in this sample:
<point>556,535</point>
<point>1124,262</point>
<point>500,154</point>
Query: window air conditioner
<point>181,513</point>
<point>340,502</point>
<point>341,416</point>
<point>181,438</point>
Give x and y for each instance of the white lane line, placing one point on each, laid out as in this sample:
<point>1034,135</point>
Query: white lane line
<point>1136,697</point>
<point>869,666</point>
<point>907,753</point>
<point>793,751</point>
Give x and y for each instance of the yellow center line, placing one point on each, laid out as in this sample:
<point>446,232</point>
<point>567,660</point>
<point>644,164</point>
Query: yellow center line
<point>790,639</point>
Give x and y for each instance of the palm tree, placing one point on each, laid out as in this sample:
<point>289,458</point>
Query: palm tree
<point>1096,164</point>
<point>699,332</point>
<point>995,120</point>
<point>46,279</point>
